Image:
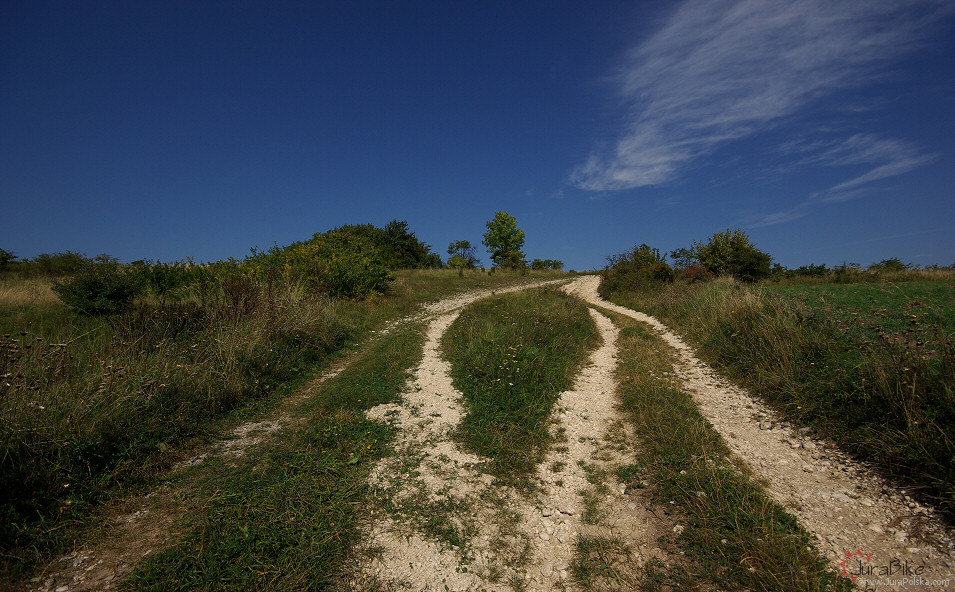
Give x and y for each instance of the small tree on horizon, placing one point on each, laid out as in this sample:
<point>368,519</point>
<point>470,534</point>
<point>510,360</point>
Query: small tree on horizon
<point>504,241</point>
<point>462,255</point>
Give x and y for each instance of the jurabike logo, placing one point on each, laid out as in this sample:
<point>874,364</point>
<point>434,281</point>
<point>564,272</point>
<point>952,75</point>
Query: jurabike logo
<point>860,568</point>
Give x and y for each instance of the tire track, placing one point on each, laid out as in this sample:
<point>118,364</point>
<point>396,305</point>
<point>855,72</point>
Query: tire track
<point>862,523</point>
<point>502,539</point>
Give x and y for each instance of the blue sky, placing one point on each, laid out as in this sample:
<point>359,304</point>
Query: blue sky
<point>165,130</point>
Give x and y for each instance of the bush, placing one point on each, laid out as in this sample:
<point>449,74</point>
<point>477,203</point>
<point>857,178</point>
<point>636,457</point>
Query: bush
<point>638,268</point>
<point>99,288</point>
<point>168,280</point>
<point>732,253</point>
<point>340,263</point>
<point>5,258</point>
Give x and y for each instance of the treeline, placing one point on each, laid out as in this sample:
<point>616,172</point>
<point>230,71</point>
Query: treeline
<point>351,262</point>
<point>732,253</point>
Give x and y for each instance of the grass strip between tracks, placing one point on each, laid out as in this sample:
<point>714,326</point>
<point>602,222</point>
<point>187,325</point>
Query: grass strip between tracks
<point>286,517</point>
<point>734,535</point>
<point>511,356</point>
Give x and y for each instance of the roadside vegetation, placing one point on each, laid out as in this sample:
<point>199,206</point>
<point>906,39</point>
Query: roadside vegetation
<point>734,536</point>
<point>511,356</point>
<point>106,369</point>
<point>864,356</point>
<point>285,518</point>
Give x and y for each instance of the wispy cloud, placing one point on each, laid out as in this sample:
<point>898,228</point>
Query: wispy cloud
<point>881,158</point>
<point>721,70</point>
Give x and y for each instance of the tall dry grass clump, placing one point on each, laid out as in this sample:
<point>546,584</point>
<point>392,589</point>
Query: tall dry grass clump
<point>90,402</point>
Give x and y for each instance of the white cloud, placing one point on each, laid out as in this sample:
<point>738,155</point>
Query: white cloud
<point>721,70</point>
<point>882,158</point>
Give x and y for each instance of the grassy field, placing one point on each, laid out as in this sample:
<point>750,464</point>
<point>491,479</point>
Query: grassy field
<point>923,311</point>
<point>94,407</point>
<point>871,365</point>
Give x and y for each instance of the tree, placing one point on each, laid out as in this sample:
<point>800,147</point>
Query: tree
<point>6,257</point>
<point>893,264</point>
<point>640,267</point>
<point>732,253</point>
<point>462,255</point>
<point>504,241</point>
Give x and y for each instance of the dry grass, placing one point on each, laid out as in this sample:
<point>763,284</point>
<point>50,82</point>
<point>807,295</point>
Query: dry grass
<point>26,292</point>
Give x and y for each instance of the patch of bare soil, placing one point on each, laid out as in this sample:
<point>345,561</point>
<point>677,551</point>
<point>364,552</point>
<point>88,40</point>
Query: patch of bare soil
<point>868,528</point>
<point>442,523</point>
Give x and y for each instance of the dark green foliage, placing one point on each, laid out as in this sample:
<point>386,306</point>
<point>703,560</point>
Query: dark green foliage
<point>639,268</point>
<point>341,263</point>
<point>893,264</point>
<point>53,265</point>
<point>462,255</point>
<point>5,258</point>
<point>100,287</point>
<point>732,253</point>
<point>547,264</point>
<point>504,241</point>
<point>168,280</point>
<point>397,246</point>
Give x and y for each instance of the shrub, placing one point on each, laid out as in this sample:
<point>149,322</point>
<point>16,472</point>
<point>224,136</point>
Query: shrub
<point>638,268</point>
<point>892,264</point>
<point>340,263</point>
<point>58,264</point>
<point>99,288</point>
<point>547,264</point>
<point>5,258</point>
<point>732,253</point>
<point>168,280</point>
<point>462,255</point>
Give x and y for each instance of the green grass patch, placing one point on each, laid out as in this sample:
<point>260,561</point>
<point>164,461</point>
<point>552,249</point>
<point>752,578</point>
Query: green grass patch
<point>91,407</point>
<point>511,356</point>
<point>870,365</point>
<point>924,311</point>
<point>287,518</point>
<point>736,537</point>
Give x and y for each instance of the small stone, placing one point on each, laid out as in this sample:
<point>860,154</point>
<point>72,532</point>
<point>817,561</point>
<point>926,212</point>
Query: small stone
<point>912,549</point>
<point>562,536</point>
<point>544,536</point>
<point>876,528</point>
<point>678,529</point>
<point>547,570</point>
<point>566,509</point>
<point>867,503</point>
<point>809,445</point>
<point>547,511</point>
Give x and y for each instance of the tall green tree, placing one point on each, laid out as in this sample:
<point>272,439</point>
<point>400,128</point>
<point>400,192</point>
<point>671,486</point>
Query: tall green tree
<point>504,241</point>
<point>732,253</point>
